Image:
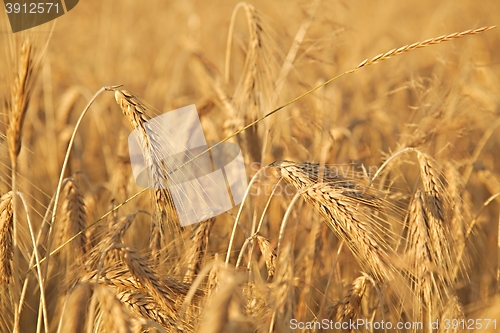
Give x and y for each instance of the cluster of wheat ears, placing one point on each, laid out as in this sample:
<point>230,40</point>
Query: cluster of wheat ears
<point>397,245</point>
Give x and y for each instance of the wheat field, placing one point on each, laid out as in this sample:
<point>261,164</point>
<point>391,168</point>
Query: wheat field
<point>370,133</point>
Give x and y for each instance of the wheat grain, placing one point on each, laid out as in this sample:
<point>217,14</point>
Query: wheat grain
<point>148,282</point>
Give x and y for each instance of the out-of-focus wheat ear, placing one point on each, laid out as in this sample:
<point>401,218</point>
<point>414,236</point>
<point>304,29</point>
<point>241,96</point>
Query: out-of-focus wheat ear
<point>307,266</point>
<point>63,113</point>
<point>283,290</point>
<point>350,308</point>
<point>269,256</point>
<point>74,220</point>
<point>489,179</point>
<point>431,275</point>
<point>74,312</point>
<point>420,255</point>
<point>20,94</point>
<point>115,236</point>
<point>249,93</point>
<point>115,317</point>
<point>122,175</point>
<point>434,189</point>
<point>192,259</point>
<point>498,255</point>
<point>258,303</point>
<point>155,242</point>
<point>222,308</point>
<point>453,309</point>
<point>137,115</point>
<point>459,208</point>
<point>435,199</point>
<point>6,235</point>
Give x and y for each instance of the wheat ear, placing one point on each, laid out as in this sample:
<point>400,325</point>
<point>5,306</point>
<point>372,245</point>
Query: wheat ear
<point>6,233</point>
<point>350,308</point>
<point>74,219</point>
<point>148,278</point>
<point>348,211</point>
<point>419,45</point>
<point>137,115</point>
